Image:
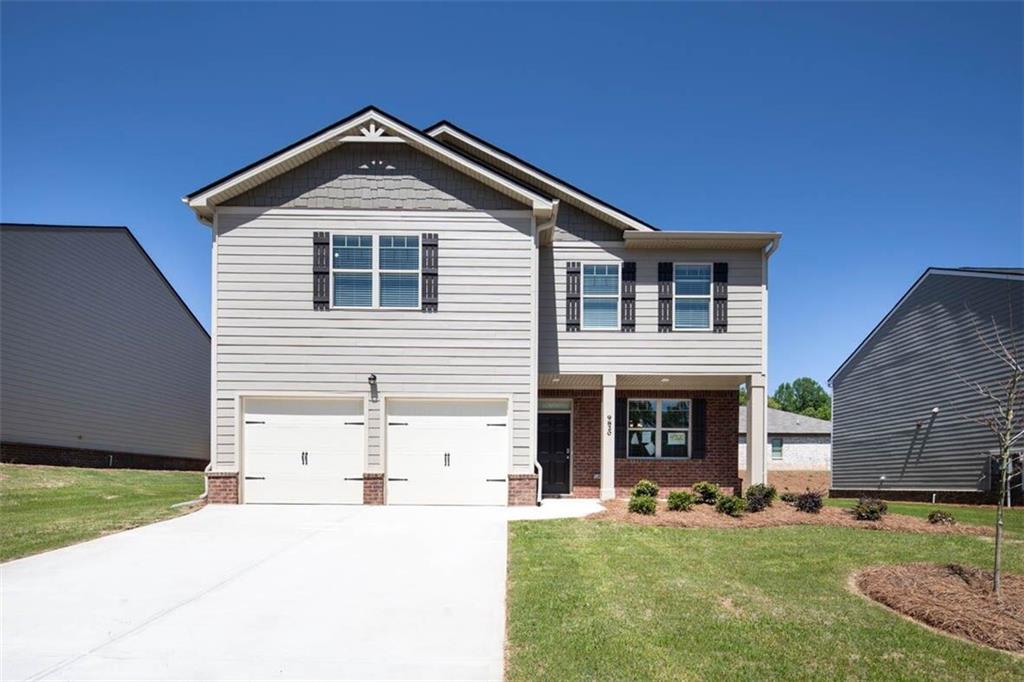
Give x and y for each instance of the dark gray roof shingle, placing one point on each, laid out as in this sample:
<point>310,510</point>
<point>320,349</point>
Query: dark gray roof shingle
<point>780,421</point>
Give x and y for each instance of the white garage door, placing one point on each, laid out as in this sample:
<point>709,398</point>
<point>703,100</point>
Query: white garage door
<point>447,452</point>
<point>303,451</point>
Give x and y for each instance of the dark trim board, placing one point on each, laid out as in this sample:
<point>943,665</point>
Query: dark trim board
<point>27,453</point>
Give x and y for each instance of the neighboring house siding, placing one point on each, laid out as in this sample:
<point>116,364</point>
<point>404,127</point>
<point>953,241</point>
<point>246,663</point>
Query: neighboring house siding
<point>98,351</point>
<point>269,338</point>
<point>375,176</point>
<point>800,452</point>
<point>918,360</point>
<point>646,351</point>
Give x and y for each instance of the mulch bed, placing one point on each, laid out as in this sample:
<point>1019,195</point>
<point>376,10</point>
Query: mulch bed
<point>954,599</point>
<point>779,514</point>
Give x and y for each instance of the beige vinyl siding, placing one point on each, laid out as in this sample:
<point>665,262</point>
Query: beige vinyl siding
<point>98,351</point>
<point>270,340</point>
<point>738,351</point>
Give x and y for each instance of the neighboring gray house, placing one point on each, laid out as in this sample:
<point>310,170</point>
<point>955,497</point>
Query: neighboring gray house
<point>902,413</point>
<point>406,315</point>
<point>101,363</point>
<point>795,442</point>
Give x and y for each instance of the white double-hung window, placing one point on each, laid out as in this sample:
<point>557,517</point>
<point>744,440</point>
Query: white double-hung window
<point>658,428</point>
<point>600,296</point>
<point>375,272</point>
<point>692,296</point>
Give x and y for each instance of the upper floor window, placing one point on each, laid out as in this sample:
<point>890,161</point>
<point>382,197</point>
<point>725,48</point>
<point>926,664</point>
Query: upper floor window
<point>601,296</point>
<point>658,428</point>
<point>692,298</point>
<point>387,276</point>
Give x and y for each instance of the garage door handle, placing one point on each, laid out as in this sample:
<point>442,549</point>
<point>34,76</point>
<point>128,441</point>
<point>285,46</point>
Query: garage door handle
<point>398,423</point>
<point>501,424</point>
<point>249,421</point>
<point>398,479</point>
<point>354,479</point>
<point>353,423</point>
<point>495,480</point>
<point>255,478</point>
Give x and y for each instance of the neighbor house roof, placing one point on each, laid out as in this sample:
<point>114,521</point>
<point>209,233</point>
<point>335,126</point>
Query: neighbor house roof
<point>780,421</point>
<point>1016,274</point>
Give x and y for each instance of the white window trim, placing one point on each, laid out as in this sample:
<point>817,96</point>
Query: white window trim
<point>658,430</point>
<point>617,296</point>
<point>375,272</point>
<point>708,297</point>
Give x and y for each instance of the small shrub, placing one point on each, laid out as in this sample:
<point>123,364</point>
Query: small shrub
<point>645,488</point>
<point>809,502</point>
<point>731,505</point>
<point>942,517</point>
<point>642,504</point>
<point>760,497</point>
<point>788,497</point>
<point>681,500</point>
<point>870,509</point>
<point>709,492</point>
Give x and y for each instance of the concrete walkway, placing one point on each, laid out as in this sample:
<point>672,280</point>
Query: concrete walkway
<point>270,592</point>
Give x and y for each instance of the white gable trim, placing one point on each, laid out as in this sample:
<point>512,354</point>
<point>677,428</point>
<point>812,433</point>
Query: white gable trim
<point>563,191</point>
<point>988,274</point>
<point>205,200</point>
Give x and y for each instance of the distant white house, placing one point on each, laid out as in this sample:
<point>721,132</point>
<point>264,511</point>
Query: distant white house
<point>795,442</point>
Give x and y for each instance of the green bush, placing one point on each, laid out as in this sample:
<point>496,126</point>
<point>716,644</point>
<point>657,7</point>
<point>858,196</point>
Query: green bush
<point>708,492</point>
<point>939,516</point>
<point>642,504</point>
<point>760,496</point>
<point>645,488</point>
<point>731,505</point>
<point>870,509</point>
<point>809,502</point>
<point>681,500</point>
<point>788,497</point>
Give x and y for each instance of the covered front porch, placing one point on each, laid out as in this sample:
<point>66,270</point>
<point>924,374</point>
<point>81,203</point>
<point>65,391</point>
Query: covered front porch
<point>598,434</point>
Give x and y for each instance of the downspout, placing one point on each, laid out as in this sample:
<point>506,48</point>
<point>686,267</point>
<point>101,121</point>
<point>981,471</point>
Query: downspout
<point>547,225</point>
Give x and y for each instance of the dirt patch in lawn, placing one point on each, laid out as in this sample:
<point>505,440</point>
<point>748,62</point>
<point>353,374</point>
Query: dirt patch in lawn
<point>957,600</point>
<point>779,514</point>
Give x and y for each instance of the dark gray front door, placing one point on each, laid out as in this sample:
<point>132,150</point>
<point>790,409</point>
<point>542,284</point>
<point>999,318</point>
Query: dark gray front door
<point>553,452</point>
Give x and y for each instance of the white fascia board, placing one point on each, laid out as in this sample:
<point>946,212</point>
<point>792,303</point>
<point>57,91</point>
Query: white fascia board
<point>703,239</point>
<point>603,210</point>
<point>201,203</point>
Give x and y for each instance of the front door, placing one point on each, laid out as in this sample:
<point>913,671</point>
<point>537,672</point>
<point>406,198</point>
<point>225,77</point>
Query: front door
<point>553,452</point>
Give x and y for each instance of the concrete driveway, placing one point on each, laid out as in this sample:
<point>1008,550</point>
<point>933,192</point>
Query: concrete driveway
<point>271,592</point>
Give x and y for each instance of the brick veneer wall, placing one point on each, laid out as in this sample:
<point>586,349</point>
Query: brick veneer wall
<point>522,489</point>
<point>373,488</point>
<point>222,487</point>
<point>27,453</point>
<point>718,465</point>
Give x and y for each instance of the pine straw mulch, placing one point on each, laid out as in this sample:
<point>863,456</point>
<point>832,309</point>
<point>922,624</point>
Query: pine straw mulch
<point>957,600</point>
<point>779,514</point>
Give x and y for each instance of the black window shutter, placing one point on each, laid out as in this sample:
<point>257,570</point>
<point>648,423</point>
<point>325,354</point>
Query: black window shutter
<point>721,297</point>
<point>628,297</point>
<point>572,296</point>
<point>428,273</point>
<point>700,429</point>
<point>664,297</point>
<point>620,428</point>
<point>321,270</point>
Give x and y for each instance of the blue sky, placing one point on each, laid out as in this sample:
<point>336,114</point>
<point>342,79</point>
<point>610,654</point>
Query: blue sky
<point>881,138</point>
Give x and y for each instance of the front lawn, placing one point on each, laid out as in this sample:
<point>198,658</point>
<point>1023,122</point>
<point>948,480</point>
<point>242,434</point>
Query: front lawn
<point>600,600</point>
<point>1013,519</point>
<point>45,507</point>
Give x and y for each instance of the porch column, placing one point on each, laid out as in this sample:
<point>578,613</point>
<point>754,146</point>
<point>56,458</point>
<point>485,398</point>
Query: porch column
<point>608,437</point>
<point>757,435</point>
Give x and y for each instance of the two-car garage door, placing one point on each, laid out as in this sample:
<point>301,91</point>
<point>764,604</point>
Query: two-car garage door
<point>436,451</point>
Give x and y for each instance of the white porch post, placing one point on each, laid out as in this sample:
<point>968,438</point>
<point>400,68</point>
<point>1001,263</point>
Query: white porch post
<point>608,437</point>
<point>757,435</point>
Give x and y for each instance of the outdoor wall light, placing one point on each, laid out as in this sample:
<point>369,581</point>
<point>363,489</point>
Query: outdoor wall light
<point>372,380</point>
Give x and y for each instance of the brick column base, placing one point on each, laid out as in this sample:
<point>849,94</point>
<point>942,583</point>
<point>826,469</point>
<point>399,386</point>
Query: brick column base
<point>373,488</point>
<point>222,487</point>
<point>522,490</point>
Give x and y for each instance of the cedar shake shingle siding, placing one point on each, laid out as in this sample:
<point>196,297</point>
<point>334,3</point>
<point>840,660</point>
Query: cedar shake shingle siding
<point>885,394</point>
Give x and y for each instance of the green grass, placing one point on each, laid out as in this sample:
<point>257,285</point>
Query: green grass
<point>1013,519</point>
<point>44,507</point>
<point>598,600</point>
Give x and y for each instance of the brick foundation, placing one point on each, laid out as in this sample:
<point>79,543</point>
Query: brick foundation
<point>522,490</point>
<point>718,465</point>
<point>26,453</point>
<point>222,487</point>
<point>373,488</point>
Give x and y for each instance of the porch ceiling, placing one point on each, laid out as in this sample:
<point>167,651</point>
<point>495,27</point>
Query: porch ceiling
<point>693,382</point>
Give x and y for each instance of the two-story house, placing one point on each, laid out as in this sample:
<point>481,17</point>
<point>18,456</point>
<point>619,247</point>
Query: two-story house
<point>410,316</point>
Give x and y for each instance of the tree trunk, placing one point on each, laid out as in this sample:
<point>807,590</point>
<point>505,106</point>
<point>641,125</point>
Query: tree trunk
<point>1004,461</point>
